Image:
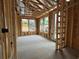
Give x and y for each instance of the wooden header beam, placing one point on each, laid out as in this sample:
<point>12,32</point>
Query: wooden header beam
<point>55,7</point>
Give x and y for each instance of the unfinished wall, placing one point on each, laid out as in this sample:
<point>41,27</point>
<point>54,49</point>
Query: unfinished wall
<point>26,33</point>
<point>18,24</point>
<point>44,34</point>
<point>1,34</point>
<point>1,19</point>
<point>75,43</point>
<point>37,26</point>
<point>69,29</point>
<point>73,24</point>
<point>10,37</point>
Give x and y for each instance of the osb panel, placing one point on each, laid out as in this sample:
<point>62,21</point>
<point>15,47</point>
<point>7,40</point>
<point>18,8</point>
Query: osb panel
<point>76,27</point>
<point>69,26</point>
<point>73,26</point>
<point>1,14</point>
<point>0,20</point>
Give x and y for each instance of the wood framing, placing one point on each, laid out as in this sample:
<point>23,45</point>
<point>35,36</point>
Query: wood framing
<point>72,32</point>
<point>61,25</point>
<point>37,7</point>
<point>37,26</point>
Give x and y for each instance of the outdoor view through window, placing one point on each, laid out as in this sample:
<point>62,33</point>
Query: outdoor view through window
<point>44,24</point>
<point>28,25</point>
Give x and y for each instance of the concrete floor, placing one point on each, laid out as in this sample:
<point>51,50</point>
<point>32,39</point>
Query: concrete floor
<point>37,47</point>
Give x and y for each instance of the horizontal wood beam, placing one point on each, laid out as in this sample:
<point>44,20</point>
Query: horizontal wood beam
<point>46,12</point>
<point>27,17</point>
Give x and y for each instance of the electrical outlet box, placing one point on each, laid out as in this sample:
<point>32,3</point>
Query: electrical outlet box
<point>4,30</point>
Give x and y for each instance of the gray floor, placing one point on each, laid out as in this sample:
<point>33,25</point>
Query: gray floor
<point>37,47</point>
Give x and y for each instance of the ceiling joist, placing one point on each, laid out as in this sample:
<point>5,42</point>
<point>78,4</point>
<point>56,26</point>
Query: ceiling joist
<point>49,2</point>
<point>37,7</point>
<point>30,7</point>
<point>35,4</point>
<point>42,4</point>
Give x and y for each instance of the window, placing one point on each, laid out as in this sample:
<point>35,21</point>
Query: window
<point>28,25</point>
<point>41,25</point>
<point>44,24</point>
<point>32,25</point>
<point>24,25</point>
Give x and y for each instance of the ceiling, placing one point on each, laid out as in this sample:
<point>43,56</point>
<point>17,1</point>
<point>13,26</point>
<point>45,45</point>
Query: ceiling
<point>34,8</point>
